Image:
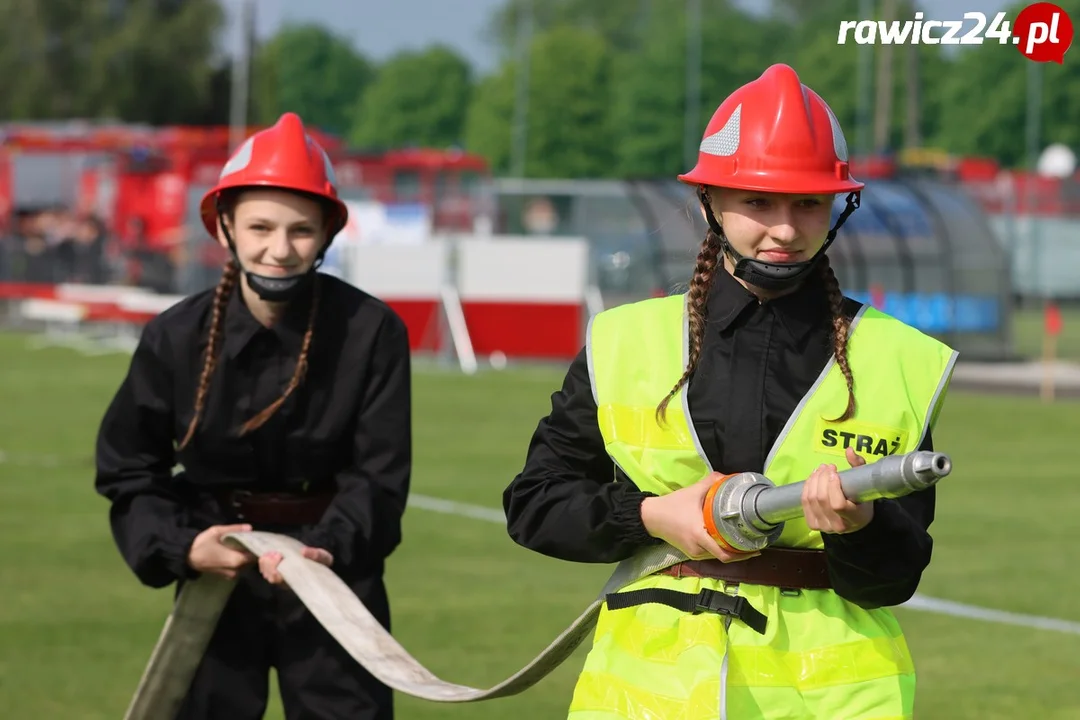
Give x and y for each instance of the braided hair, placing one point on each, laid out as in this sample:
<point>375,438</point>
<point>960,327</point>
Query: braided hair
<point>708,260</point>
<point>841,326</point>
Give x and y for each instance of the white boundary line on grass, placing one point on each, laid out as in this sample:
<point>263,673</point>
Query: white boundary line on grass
<point>918,602</point>
<point>477,512</point>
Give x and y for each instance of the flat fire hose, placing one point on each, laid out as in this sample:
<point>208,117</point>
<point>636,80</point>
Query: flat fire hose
<point>745,511</point>
<point>187,632</point>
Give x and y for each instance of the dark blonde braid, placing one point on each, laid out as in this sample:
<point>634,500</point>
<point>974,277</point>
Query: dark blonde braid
<point>708,260</point>
<point>225,287</point>
<point>840,328</point>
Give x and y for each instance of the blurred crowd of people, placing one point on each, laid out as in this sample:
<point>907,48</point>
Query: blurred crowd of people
<point>57,245</point>
<point>53,245</point>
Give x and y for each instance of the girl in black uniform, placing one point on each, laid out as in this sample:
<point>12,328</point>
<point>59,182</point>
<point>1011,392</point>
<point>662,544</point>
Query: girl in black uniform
<point>284,394</point>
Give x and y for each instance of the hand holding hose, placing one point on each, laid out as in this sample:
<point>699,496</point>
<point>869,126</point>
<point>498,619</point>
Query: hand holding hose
<point>825,506</point>
<point>676,519</point>
<point>208,554</point>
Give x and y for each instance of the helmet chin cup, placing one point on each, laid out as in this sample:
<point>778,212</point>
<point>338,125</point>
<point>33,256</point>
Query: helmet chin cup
<point>279,289</point>
<point>767,275</point>
<point>774,276</point>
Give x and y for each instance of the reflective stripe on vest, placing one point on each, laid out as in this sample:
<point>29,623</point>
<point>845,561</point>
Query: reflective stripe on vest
<point>821,656</point>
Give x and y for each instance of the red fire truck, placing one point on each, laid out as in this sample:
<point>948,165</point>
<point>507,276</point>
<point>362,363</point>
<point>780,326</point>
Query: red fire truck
<point>145,182</point>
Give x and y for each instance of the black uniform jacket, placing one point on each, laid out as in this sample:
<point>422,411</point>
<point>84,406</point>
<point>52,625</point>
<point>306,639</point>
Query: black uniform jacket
<point>349,424</point>
<point>758,360</point>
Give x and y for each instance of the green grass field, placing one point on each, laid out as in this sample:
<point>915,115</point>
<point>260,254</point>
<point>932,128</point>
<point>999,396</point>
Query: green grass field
<point>76,628</point>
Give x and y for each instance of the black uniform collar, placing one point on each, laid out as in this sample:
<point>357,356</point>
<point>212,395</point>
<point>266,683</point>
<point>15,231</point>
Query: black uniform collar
<point>800,311</point>
<point>241,326</point>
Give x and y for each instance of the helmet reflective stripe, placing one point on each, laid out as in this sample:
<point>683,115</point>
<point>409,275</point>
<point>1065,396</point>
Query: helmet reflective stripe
<point>838,140</point>
<point>239,161</point>
<point>725,141</point>
<point>330,174</point>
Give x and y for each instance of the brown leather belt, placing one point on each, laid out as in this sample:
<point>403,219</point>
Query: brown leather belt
<point>274,508</point>
<point>775,567</point>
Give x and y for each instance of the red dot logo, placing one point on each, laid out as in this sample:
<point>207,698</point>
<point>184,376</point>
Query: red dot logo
<point>1043,32</point>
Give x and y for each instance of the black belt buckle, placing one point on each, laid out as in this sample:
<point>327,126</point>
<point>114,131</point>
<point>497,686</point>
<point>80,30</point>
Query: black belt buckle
<point>705,600</point>
<point>734,606</point>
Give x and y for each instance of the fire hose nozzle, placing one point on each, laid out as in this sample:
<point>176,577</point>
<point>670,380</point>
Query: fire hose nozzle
<point>746,512</point>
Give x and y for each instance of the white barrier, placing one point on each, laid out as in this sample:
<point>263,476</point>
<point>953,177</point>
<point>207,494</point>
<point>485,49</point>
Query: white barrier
<point>56,312</point>
<point>77,292</point>
<point>516,269</point>
<point>399,272</point>
<point>147,303</point>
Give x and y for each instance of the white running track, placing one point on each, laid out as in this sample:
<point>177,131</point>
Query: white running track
<point>918,602</point>
<point>477,512</point>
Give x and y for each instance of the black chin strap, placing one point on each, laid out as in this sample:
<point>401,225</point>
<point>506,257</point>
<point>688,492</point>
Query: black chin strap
<point>773,276</point>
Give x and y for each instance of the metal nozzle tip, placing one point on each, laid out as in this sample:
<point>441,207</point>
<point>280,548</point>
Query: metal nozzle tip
<point>935,463</point>
<point>942,465</point>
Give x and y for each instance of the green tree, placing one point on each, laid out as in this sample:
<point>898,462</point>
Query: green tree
<point>621,24</point>
<point>970,100</point>
<point>489,118</point>
<point>166,57</point>
<point>136,60</point>
<point>309,70</point>
<point>416,98</point>
<point>649,101</point>
<point>569,131</point>
<point>649,114</point>
<point>985,99</point>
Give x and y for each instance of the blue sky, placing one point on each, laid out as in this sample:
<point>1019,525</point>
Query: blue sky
<point>379,28</point>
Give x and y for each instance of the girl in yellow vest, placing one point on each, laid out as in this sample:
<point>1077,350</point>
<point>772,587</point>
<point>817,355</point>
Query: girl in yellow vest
<point>764,366</point>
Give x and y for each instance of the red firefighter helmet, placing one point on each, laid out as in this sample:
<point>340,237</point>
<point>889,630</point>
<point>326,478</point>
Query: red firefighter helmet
<point>284,157</point>
<point>774,134</point>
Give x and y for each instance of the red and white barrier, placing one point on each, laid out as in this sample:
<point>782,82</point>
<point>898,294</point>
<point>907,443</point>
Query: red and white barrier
<point>524,297</point>
<point>408,278</point>
<point>87,303</point>
<point>90,318</point>
<point>497,297</point>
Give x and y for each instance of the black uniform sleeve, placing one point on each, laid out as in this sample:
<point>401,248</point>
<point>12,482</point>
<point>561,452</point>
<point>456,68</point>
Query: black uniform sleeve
<point>134,459</point>
<point>567,503</point>
<point>882,564</point>
<point>363,522</point>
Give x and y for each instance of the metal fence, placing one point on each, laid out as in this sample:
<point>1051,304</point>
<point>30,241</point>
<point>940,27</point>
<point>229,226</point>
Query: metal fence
<point>919,249</point>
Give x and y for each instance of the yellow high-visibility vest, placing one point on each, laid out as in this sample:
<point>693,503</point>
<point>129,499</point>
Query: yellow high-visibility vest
<point>821,656</point>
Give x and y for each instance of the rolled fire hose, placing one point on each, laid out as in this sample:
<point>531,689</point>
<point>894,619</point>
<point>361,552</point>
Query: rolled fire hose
<point>746,510</point>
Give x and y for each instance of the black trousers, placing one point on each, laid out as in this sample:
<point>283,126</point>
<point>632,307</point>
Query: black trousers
<point>265,626</point>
